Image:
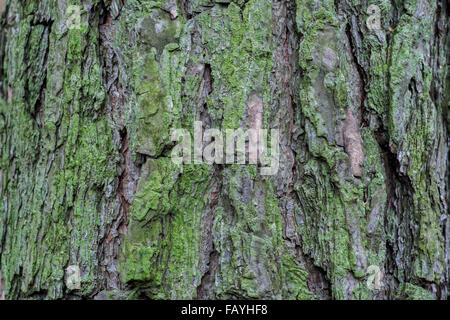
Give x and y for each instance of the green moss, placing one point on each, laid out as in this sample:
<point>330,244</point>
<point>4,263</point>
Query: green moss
<point>295,277</point>
<point>413,128</point>
<point>66,158</point>
<point>339,229</point>
<point>410,291</point>
<point>248,237</point>
<point>165,229</point>
<point>238,48</point>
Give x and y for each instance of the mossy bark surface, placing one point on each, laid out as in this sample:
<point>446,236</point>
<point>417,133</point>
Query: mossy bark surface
<point>87,179</point>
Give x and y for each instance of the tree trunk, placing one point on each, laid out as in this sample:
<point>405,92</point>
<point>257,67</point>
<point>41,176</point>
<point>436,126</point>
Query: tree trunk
<point>358,208</point>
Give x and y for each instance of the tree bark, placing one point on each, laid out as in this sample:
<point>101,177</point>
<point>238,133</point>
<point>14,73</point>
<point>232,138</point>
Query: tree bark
<point>358,208</point>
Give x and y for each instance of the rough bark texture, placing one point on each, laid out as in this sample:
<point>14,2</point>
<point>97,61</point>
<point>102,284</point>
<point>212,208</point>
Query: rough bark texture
<point>85,171</point>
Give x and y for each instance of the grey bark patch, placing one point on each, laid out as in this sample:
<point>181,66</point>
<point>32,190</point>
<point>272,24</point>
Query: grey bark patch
<point>353,144</point>
<point>329,59</point>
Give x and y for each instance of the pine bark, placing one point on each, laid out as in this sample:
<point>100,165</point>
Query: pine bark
<point>86,177</point>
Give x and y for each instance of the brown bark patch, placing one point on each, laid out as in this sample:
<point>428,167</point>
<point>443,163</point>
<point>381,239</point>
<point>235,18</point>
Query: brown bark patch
<point>353,144</point>
<point>2,286</point>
